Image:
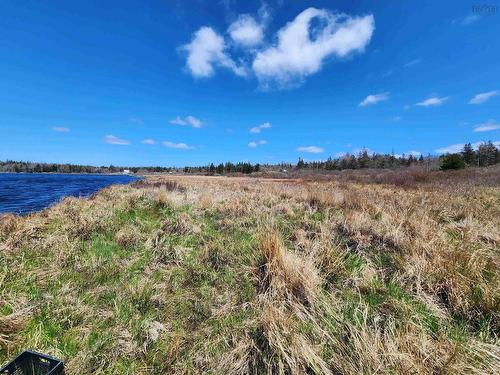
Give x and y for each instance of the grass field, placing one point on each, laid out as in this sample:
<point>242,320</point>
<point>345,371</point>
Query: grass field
<point>250,276</point>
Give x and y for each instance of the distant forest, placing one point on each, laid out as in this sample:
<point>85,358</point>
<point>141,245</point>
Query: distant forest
<point>485,155</point>
<point>31,167</point>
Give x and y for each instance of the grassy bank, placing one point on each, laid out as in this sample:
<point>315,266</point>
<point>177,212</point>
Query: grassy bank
<point>248,276</point>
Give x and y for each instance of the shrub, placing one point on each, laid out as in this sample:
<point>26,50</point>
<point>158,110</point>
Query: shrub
<point>452,161</point>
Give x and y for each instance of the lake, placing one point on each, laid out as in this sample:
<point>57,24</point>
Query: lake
<point>21,193</point>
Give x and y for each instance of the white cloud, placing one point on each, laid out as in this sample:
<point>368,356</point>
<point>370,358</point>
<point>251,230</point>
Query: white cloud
<point>432,102</point>
<point>311,149</point>
<point>458,147</point>
<point>60,129</point>
<point>451,149</point>
<point>187,121</point>
<point>258,129</point>
<point>135,120</point>
<point>374,99</point>
<point>257,143</point>
<point>411,63</point>
<point>303,47</point>
<point>469,19</point>
<point>148,141</point>
<point>246,31</point>
<point>112,140</point>
<point>205,51</point>
<point>483,97</point>
<point>487,126</point>
<point>414,153</point>
<point>179,146</point>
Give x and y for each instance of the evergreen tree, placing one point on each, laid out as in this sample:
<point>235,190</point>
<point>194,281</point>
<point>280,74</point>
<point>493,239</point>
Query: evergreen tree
<point>363,159</point>
<point>452,161</point>
<point>468,154</point>
<point>220,168</point>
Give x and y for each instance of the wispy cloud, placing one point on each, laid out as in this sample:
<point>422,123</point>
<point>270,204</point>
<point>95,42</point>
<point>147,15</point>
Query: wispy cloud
<point>178,146</point>
<point>135,120</point>
<point>148,141</point>
<point>433,101</point>
<point>60,129</point>
<point>374,99</point>
<point>258,129</point>
<point>311,149</point>
<point>487,126</point>
<point>187,121</point>
<point>411,63</point>
<point>254,144</point>
<point>483,97</point>
<point>112,140</point>
<point>469,19</point>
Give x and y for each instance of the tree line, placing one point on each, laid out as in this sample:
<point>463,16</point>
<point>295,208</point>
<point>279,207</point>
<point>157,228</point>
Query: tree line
<point>222,168</point>
<point>484,155</point>
<point>31,167</point>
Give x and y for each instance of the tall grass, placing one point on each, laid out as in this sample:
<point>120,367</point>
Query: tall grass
<point>250,276</point>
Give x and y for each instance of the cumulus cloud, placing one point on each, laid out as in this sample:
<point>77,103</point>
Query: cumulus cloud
<point>304,44</point>
<point>60,129</point>
<point>206,50</point>
<point>483,97</point>
<point>311,149</point>
<point>257,143</point>
<point>148,141</point>
<point>246,31</point>
<point>187,121</point>
<point>374,99</point>
<point>458,147</point>
<point>487,126</point>
<point>432,102</point>
<point>258,129</point>
<point>112,140</point>
<point>178,146</point>
<point>301,48</point>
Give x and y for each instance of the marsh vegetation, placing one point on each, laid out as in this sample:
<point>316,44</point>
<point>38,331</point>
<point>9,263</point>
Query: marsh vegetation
<point>251,276</point>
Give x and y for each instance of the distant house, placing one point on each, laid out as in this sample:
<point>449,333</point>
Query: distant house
<point>126,171</point>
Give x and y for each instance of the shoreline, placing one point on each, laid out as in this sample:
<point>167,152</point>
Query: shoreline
<point>49,195</point>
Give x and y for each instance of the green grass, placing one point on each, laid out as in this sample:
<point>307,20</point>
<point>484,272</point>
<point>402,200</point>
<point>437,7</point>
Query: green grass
<point>97,307</point>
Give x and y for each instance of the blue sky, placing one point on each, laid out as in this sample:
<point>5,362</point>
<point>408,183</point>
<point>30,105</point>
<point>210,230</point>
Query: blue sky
<point>190,82</point>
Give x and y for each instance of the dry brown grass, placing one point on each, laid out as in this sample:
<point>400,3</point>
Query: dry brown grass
<point>247,276</point>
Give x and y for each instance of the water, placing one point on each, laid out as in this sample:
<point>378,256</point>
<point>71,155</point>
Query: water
<point>22,193</point>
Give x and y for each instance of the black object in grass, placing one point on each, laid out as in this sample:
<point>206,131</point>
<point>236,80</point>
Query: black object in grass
<point>33,363</point>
